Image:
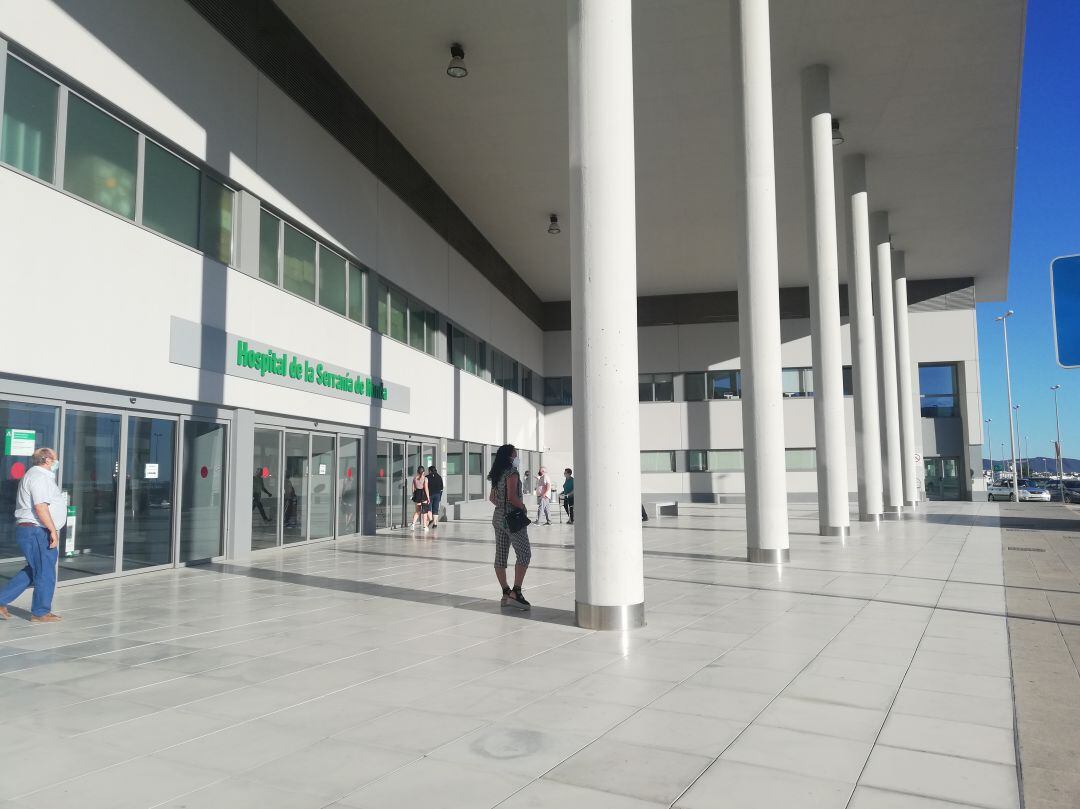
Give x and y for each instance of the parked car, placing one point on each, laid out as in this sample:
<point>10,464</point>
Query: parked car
<point>1029,492</point>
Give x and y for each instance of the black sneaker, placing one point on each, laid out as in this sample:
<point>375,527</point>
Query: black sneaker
<point>516,599</point>
<point>506,597</point>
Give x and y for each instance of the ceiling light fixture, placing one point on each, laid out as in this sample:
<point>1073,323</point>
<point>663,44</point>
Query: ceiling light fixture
<point>456,69</point>
<point>553,227</point>
<point>837,135</point>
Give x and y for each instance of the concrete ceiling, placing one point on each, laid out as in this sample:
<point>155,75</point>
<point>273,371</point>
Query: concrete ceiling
<point>927,89</point>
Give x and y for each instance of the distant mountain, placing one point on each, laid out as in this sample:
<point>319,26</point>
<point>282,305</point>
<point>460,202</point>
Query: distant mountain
<point>1038,463</point>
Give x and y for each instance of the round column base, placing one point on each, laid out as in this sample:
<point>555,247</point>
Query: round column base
<point>605,617</point>
<point>893,516</point>
<point>874,518</point>
<point>768,556</point>
<point>912,504</point>
<point>892,509</point>
<point>834,531</point>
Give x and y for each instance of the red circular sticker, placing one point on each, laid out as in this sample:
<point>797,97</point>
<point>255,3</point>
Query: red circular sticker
<point>204,471</point>
<point>265,472</point>
<point>382,473</point>
<point>18,469</point>
<point>348,472</point>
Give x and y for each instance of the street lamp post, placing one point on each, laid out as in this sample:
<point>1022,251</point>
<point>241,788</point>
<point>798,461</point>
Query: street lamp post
<point>990,447</point>
<point>1019,440</point>
<point>1057,445</point>
<point>1008,386</point>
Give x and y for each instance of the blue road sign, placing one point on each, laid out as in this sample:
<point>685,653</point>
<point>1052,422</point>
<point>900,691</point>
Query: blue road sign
<point>1065,300</point>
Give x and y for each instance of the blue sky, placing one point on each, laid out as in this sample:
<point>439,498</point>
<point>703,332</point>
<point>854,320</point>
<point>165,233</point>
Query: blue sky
<point>1046,224</point>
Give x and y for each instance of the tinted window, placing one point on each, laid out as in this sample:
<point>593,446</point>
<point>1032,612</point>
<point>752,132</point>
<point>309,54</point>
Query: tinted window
<point>28,138</point>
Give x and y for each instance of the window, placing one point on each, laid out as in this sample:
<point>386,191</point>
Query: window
<point>527,383</point>
<point>28,135</point>
<point>725,384</point>
<point>800,460</point>
<point>299,275</point>
<point>431,343</point>
<point>658,462</point>
<point>269,239</point>
<point>100,158</point>
<point>466,352</point>
<point>849,384</point>
<point>171,195</point>
<point>937,391</point>
<point>476,486</point>
<point>504,371</point>
<point>331,280</point>
<point>694,387</point>
<point>357,281</point>
<point>714,460</point>
<point>557,391</point>
<point>383,315</point>
<point>216,220</point>
<point>798,382</point>
<point>418,325</point>
<point>398,324</point>
<point>656,388</point>
<point>455,472</point>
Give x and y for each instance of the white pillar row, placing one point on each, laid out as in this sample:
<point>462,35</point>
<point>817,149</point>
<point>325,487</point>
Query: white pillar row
<point>886,335</point>
<point>863,341</point>
<point>829,429</point>
<point>609,575</point>
<point>759,289</point>
<point>909,450</point>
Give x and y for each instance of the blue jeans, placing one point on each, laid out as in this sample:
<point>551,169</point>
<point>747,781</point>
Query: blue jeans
<point>436,504</point>
<point>40,571</point>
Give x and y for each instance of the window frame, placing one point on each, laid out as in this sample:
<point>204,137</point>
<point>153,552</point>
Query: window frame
<point>954,395</point>
<point>658,452</point>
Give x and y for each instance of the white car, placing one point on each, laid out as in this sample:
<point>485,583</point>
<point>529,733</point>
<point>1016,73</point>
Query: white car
<point>1029,492</point>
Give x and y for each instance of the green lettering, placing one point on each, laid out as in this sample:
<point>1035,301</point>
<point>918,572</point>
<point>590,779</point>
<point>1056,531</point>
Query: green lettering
<point>241,352</point>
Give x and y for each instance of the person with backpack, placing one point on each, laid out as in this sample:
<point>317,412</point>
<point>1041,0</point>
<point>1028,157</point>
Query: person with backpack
<point>510,521</point>
<point>435,491</point>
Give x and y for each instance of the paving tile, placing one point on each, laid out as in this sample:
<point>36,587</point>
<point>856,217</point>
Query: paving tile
<point>829,719</point>
<point>647,773</point>
<point>242,793</point>
<point>950,738</point>
<point>746,786</point>
<point>411,730</point>
<point>871,798</point>
<point>799,752</point>
<point>331,768</point>
<point>686,733</point>
<point>944,777</point>
<point>437,785</point>
<point>545,794</point>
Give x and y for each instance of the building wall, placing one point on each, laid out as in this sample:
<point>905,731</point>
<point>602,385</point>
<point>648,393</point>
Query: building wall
<point>113,286</point>
<point>936,336</point>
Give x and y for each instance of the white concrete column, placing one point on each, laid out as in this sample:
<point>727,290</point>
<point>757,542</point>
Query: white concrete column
<point>863,351</point>
<point>832,480</point>
<point>759,290</point>
<point>886,335</point>
<point>908,448</point>
<point>603,253</point>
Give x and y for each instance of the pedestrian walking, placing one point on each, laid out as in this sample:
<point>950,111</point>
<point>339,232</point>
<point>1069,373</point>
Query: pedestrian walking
<point>435,491</point>
<point>510,522</point>
<point>543,497</point>
<point>258,489</point>
<point>40,513</point>
<point>420,497</point>
<point>568,493</point>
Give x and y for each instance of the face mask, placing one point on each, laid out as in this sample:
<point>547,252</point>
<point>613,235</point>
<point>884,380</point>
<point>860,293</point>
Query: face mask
<point>55,468</point>
<point>516,462</point>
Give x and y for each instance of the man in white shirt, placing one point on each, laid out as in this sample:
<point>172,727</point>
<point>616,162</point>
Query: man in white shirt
<point>543,496</point>
<point>40,513</point>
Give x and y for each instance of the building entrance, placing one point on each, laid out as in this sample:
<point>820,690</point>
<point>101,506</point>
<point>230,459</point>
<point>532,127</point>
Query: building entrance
<point>942,478</point>
<point>396,463</point>
<point>305,487</point>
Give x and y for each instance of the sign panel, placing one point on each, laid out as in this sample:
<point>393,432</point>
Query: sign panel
<point>211,349</point>
<point>1065,300</point>
<point>19,442</point>
<point>151,471</point>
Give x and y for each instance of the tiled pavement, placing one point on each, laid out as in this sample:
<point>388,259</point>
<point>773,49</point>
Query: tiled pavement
<point>873,674</point>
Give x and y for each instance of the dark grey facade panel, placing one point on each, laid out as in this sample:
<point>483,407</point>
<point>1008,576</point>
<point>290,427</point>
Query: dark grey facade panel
<point>723,307</point>
<point>261,31</point>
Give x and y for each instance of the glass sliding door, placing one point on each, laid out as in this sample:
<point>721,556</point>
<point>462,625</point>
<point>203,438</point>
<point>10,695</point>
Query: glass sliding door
<point>382,485</point>
<point>323,479</point>
<point>266,490</point>
<point>455,472</point>
<point>476,488</point>
<point>23,428</point>
<point>397,483</point>
<point>90,467</point>
<point>148,495</point>
<point>348,518</point>
<point>295,497</point>
<point>202,498</point>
